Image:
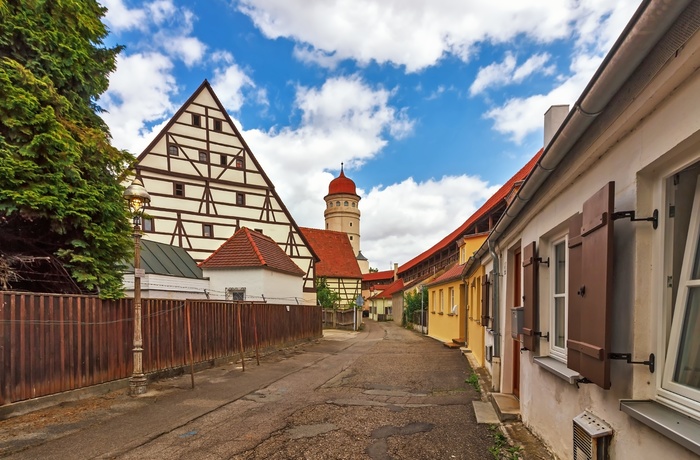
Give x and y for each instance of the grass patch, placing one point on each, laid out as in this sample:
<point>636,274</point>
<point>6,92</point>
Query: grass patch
<point>501,449</point>
<point>473,380</point>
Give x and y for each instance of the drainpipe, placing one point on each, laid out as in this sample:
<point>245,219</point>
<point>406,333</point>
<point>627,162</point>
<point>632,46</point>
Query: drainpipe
<point>496,361</point>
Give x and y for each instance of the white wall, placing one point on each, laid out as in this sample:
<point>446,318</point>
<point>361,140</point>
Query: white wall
<point>167,287</point>
<point>275,286</point>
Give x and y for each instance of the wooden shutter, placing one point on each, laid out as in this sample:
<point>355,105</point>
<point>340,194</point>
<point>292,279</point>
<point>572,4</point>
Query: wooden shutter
<point>590,290</point>
<point>530,301</point>
<point>485,312</point>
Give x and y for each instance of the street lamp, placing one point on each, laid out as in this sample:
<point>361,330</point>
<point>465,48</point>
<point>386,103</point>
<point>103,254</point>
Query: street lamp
<point>138,198</point>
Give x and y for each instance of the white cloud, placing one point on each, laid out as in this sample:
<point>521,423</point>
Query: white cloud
<point>228,84</point>
<point>508,72</point>
<point>131,107</point>
<point>119,17</point>
<point>316,56</point>
<point>389,215</point>
<point>414,33</point>
<point>189,50</point>
<point>344,120</point>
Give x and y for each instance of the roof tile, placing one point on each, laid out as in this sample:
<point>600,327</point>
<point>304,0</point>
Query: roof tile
<point>335,251</point>
<point>247,248</point>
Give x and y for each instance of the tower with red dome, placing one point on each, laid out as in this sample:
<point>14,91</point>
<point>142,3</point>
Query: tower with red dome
<point>342,213</point>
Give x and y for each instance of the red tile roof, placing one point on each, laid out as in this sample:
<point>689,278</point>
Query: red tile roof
<point>452,273</point>
<point>247,248</point>
<point>378,276</point>
<point>390,290</point>
<point>495,199</point>
<point>335,251</point>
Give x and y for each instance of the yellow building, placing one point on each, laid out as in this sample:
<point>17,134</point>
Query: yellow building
<point>447,306</point>
<point>475,316</point>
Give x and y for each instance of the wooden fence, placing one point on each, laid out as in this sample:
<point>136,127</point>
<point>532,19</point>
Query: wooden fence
<point>53,343</point>
<point>350,319</point>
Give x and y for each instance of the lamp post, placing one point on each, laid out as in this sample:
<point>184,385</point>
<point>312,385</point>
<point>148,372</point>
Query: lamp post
<point>138,198</point>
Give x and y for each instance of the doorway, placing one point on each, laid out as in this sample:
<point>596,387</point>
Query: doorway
<point>517,302</point>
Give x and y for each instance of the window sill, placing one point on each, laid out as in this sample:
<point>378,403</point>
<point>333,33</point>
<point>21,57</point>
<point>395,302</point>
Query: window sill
<point>670,423</point>
<point>432,312</point>
<point>557,368</point>
<point>440,313</point>
<point>450,314</point>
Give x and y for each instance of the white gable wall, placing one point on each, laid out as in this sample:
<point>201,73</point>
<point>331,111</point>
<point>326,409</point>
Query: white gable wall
<point>276,287</point>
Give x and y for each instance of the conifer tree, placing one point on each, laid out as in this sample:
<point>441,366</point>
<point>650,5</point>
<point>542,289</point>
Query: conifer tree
<point>60,178</point>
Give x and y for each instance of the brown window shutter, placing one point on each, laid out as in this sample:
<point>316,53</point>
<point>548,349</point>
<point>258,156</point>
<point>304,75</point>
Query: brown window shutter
<point>530,301</point>
<point>590,296</point>
<point>485,312</point>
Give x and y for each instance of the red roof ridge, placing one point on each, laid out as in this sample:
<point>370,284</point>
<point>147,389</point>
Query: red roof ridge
<point>255,245</point>
<point>500,194</point>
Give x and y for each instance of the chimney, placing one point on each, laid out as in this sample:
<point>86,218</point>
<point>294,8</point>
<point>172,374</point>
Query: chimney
<point>396,271</point>
<point>553,118</point>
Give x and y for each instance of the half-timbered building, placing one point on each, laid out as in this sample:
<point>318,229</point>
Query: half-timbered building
<point>205,183</point>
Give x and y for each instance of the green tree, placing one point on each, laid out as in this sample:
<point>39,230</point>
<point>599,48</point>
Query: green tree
<point>326,297</point>
<point>414,300</point>
<point>60,192</point>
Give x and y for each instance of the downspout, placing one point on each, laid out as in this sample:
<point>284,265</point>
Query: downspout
<point>496,359</point>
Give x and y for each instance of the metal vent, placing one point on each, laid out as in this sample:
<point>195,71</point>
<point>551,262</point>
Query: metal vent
<point>591,437</point>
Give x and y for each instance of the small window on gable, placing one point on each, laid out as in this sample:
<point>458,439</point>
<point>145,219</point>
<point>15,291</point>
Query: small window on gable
<point>239,163</point>
<point>223,161</point>
<point>196,120</point>
<point>217,125</point>
<point>172,150</point>
<point>207,230</point>
<point>240,198</point>
<point>178,189</point>
<point>147,224</point>
<point>203,156</point>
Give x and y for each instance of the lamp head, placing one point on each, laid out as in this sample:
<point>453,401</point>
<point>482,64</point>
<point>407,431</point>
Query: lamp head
<point>137,197</point>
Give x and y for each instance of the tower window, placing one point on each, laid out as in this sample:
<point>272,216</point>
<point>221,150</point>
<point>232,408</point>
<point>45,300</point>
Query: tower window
<point>351,224</point>
<point>337,203</point>
<point>346,203</point>
<point>196,120</point>
<point>353,204</point>
<point>350,237</point>
<point>330,204</point>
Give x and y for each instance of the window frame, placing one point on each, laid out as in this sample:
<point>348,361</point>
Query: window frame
<point>211,230</point>
<point>685,396</point>
<point>217,125</point>
<point>196,119</point>
<point>441,297</point>
<point>556,352</point>
<point>206,156</point>
<point>151,224</point>
<point>240,199</point>
<point>239,163</point>
<point>175,187</point>
<point>173,148</point>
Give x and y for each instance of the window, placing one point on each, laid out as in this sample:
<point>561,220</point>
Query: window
<point>346,203</point>
<point>147,224</point>
<point>353,204</point>
<point>558,291</point>
<point>330,204</point>
<point>350,237</point>
<point>337,203</point>
<point>217,125</point>
<point>223,161</point>
<point>172,150</point>
<point>240,198</point>
<point>451,299</point>
<point>351,224</point>
<point>203,156</point>
<point>259,230</point>
<point>681,377</point>
<point>207,230</point>
<point>432,303</point>
<point>235,294</point>
<point>239,163</point>
<point>442,301</point>
<point>178,189</point>
<point>196,120</point>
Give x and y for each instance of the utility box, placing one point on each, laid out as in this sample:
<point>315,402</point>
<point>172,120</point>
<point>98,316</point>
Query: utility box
<point>517,317</point>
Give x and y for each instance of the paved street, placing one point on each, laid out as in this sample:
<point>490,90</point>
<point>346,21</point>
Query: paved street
<point>382,393</point>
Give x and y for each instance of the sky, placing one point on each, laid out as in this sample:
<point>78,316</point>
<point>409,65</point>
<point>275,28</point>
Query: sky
<point>431,105</point>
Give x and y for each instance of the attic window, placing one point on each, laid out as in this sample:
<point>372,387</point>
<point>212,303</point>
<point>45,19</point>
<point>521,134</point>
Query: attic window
<point>223,161</point>
<point>207,230</point>
<point>240,198</point>
<point>196,120</point>
<point>172,150</point>
<point>147,224</point>
<point>203,156</point>
<point>239,163</point>
<point>217,125</point>
<point>178,189</point>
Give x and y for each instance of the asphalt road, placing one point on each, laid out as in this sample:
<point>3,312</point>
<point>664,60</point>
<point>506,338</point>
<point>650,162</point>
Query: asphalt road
<point>382,393</point>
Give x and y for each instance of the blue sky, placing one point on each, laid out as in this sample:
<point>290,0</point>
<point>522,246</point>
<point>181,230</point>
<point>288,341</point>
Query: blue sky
<point>431,105</point>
